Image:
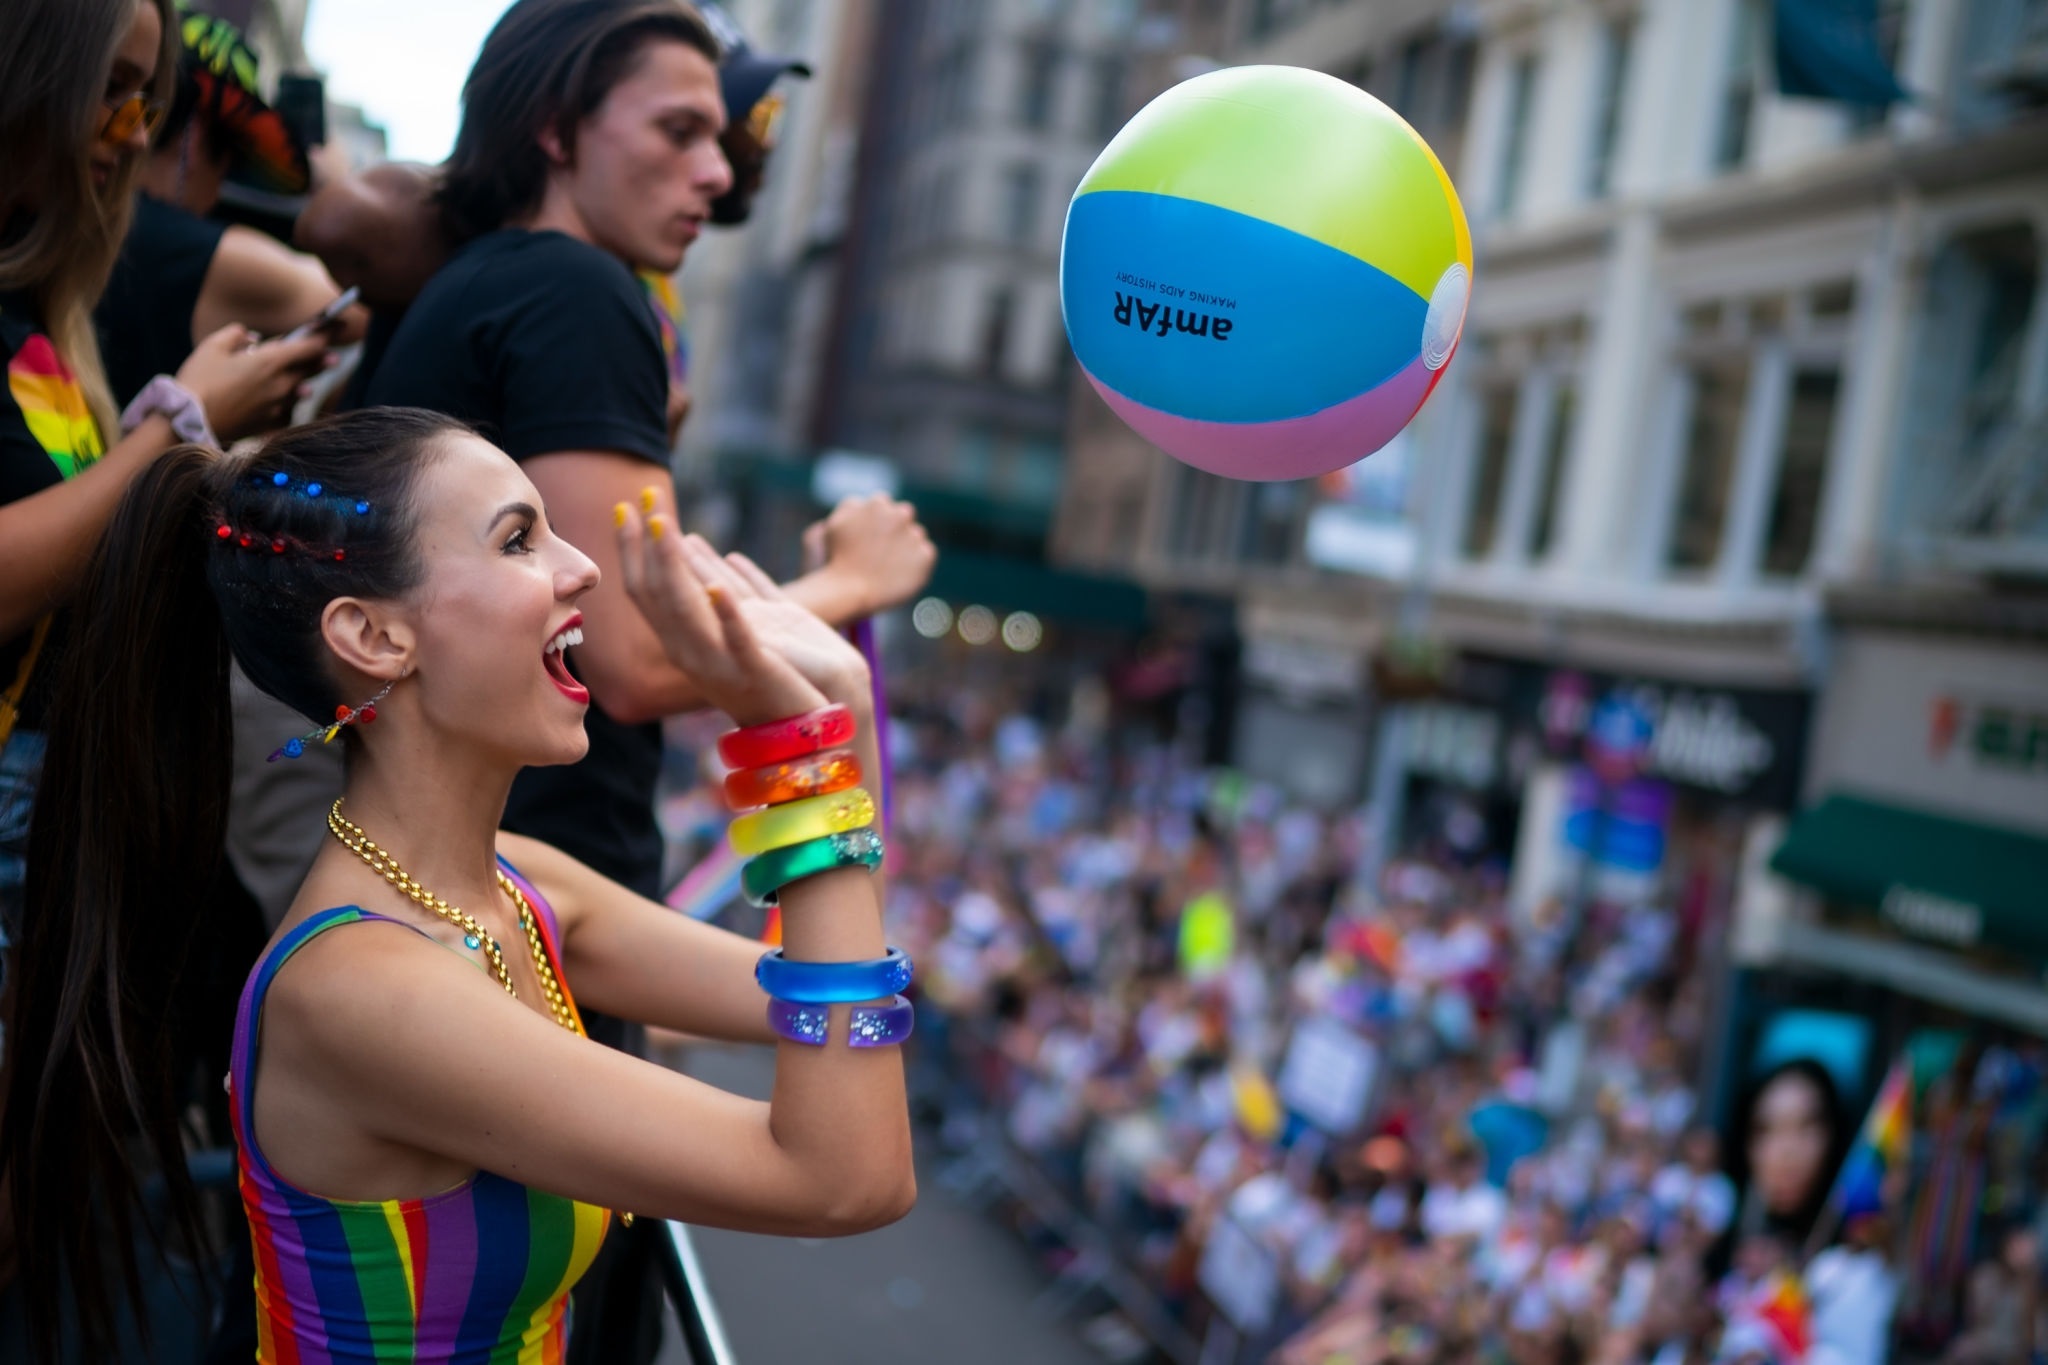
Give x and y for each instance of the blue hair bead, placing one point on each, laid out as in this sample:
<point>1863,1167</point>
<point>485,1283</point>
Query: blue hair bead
<point>362,509</point>
<point>294,747</point>
<point>312,490</point>
<point>280,478</point>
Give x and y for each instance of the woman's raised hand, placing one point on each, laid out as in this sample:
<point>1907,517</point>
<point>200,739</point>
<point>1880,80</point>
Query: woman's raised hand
<point>753,653</point>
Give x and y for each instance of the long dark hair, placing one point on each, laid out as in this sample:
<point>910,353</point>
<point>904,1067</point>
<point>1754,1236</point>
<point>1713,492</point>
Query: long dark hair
<point>204,556</point>
<point>1795,1224</point>
<point>547,65</point>
<point>59,233</point>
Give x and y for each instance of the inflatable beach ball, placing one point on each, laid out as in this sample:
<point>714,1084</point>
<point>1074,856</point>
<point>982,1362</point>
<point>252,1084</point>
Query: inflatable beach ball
<point>1265,273</point>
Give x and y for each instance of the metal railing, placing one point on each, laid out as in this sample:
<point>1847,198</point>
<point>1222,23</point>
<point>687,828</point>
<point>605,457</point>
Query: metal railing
<point>682,1278</point>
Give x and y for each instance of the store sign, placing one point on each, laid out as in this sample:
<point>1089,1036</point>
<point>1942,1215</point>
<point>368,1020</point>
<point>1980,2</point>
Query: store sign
<point>1922,914</point>
<point>1953,726</point>
<point>2009,737</point>
<point>1304,668</point>
<point>1733,741</point>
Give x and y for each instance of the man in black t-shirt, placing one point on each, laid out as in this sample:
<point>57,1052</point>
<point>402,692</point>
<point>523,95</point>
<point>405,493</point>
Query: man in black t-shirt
<point>537,332</point>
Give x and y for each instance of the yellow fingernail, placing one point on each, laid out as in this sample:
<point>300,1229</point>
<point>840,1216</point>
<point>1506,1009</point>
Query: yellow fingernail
<point>619,515</point>
<point>656,525</point>
<point>647,500</point>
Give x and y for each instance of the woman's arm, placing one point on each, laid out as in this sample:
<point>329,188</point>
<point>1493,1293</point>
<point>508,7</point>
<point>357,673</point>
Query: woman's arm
<point>404,1043</point>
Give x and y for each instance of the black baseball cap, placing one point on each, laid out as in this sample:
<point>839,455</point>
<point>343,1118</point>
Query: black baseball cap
<point>744,75</point>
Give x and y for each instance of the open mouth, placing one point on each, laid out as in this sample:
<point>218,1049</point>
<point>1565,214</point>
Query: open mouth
<point>554,658</point>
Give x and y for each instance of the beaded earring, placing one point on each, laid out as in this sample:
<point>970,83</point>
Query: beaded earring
<point>343,715</point>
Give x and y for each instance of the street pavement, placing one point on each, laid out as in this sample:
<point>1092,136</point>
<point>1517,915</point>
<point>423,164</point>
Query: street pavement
<point>944,1285</point>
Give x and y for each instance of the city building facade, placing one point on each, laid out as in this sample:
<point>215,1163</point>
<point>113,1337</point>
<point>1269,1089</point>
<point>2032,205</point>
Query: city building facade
<point>1737,492</point>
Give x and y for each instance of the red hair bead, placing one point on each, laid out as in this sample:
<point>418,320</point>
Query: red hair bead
<point>224,532</point>
<point>341,713</point>
<point>337,556</point>
<point>369,713</point>
<point>277,547</point>
<point>245,542</point>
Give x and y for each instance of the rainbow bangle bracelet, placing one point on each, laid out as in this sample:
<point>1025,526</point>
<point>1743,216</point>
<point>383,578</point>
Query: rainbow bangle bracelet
<point>762,878</point>
<point>780,783</point>
<point>866,1025</point>
<point>757,746</point>
<point>814,817</point>
<point>832,983</point>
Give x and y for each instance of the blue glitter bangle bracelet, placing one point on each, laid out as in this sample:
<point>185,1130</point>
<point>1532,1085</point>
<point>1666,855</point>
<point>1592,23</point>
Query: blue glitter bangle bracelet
<point>867,1025</point>
<point>832,983</point>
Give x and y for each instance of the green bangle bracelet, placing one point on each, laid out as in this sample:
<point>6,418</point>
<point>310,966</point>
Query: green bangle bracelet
<point>766,875</point>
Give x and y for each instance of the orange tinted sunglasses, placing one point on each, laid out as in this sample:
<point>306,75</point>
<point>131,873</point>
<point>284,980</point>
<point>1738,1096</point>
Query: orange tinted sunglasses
<point>137,112</point>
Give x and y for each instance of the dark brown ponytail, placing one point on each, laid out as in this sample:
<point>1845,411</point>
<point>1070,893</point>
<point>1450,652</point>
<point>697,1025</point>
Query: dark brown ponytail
<point>131,817</point>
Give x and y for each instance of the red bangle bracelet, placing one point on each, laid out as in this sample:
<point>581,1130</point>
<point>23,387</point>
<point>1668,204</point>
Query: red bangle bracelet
<point>780,783</point>
<point>778,741</point>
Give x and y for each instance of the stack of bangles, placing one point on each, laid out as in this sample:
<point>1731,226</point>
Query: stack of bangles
<point>808,815</point>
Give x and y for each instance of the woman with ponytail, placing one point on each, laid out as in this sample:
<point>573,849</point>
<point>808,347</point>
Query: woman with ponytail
<point>430,1149</point>
<point>82,83</point>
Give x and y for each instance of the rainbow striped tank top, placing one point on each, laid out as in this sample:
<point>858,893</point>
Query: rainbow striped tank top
<point>480,1273</point>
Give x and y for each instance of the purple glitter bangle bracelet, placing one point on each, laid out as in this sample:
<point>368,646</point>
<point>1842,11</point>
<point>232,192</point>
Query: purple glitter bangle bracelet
<point>870,1025</point>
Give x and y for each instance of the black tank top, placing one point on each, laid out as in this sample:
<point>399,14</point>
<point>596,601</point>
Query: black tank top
<point>145,316</point>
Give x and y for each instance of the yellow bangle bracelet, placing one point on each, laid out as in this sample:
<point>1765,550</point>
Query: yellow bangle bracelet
<point>814,817</point>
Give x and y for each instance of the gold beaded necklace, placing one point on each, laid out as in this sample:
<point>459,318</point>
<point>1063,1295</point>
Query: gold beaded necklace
<point>474,935</point>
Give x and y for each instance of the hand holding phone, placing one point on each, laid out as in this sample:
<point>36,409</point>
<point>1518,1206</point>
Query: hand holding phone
<point>327,317</point>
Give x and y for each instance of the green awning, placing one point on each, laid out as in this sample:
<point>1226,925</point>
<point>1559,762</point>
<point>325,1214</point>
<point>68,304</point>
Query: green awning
<point>1952,882</point>
<point>1006,584</point>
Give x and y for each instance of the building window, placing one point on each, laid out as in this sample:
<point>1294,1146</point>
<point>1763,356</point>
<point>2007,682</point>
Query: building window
<point>1802,471</point>
<point>1713,441</point>
<point>1110,72</point>
<point>1968,385</point>
<point>1617,44</point>
<point>1739,88</point>
<point>1020,203</point>
<point>995,331</point>
<point>1891,39</point>
<point>1550,474</point>
<point>1272,522</point>
<point>1041,76</point>
<point>946,204</point>
<point>1203,506</point>
<point>1497,406</point>
<point>1514,152</point>
<point>1408,79</point>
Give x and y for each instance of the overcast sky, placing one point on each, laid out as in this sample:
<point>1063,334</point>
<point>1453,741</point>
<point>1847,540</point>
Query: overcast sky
<point>403,61</point>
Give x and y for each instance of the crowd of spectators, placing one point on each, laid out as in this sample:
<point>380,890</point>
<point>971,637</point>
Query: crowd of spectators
<point>1115,951</point>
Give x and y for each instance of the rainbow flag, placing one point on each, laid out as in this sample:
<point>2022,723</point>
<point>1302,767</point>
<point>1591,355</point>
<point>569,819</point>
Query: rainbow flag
<point>1785,1313</point>
<point>1880,1148</point>
<point>711,885</point>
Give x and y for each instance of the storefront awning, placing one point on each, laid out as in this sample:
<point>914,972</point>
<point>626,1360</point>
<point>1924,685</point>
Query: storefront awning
<point>1952,882</point>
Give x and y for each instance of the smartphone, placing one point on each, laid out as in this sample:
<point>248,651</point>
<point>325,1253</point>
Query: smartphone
<point>326,317</point>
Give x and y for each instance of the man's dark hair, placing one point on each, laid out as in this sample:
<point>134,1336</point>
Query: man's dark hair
<point>546,64</point>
